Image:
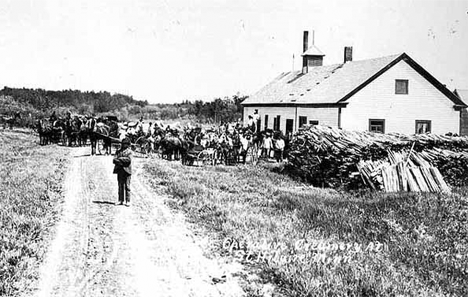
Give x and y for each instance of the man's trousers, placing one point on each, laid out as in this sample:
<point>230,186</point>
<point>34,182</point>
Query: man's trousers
<point>123,180</point>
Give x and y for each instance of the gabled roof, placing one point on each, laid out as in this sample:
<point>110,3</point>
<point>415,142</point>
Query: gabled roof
<point>313,51</point>
<point>463,95</point>
<point>334,84</point>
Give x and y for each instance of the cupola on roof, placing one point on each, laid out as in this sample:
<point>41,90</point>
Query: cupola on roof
<point>313,51</point>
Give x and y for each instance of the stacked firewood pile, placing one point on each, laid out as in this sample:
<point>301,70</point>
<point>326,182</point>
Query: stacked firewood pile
<point>327,156</point>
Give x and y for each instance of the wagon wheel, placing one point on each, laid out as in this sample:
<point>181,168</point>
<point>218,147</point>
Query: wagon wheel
<point>100,146</point>
<point>209,157</point>
<point>101,149</point>
<point>142,144</point>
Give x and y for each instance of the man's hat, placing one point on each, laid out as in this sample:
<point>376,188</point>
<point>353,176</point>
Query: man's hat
<point>126,141</point>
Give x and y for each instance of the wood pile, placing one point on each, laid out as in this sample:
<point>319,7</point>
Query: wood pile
<point>414,174</point>
<point>327,156</point>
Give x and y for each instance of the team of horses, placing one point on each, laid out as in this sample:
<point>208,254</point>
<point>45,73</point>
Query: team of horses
<point>77,131</point>
<point>227,144</point>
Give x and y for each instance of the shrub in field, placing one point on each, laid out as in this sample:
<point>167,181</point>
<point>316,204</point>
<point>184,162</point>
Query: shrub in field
<point>30,188</point>
<point>320,242</point>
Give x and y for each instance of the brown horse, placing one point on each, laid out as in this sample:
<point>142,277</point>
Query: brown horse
<point>172,146</point>
<point>105,133</point>
<point>44,128</point>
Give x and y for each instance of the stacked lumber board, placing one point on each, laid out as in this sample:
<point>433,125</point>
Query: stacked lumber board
<point>414,174</point>
<point>327,156</point>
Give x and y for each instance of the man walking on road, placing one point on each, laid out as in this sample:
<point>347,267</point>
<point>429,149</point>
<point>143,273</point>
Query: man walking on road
<point>123,169</point>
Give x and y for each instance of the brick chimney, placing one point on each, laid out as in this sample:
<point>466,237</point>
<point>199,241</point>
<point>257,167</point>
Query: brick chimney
<point>348,54</point>
<point>305,46</point>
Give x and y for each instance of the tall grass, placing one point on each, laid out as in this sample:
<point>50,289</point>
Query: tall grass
<point>30,190</point>
<point>320,242</point>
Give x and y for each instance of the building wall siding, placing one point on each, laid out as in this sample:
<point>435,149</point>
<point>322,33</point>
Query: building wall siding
<point>400,112</point>
<point>464,122</point>
<point>325,116</point>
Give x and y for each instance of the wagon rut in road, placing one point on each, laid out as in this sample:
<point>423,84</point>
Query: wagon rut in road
<point>101,249</point>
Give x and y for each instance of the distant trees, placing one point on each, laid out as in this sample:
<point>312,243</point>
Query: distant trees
<point>78,101</point>
<point>227,109</point>
<point>41,102</point>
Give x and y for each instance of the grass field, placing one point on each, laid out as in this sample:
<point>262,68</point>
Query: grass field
<point>319,242</point>
<point>30,192</point>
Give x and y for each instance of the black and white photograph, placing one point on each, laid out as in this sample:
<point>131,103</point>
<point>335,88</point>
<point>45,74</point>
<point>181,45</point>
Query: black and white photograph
<point>248,148</point>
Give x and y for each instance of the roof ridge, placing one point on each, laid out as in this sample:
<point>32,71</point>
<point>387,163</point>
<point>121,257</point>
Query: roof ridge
<point>378,58</point>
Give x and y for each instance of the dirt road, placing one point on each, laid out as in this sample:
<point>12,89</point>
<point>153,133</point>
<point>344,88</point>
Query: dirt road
<point>103,249</point>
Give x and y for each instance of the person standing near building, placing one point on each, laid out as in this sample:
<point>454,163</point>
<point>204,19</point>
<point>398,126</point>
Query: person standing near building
<point>123,169</point>
<point>251,124</point>
<point>149,132</point>
<point>267,145</point>
<point>279,148</point>
<point>256,118</point>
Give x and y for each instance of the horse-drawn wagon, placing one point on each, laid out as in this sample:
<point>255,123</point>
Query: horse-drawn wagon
<point>200,156</point>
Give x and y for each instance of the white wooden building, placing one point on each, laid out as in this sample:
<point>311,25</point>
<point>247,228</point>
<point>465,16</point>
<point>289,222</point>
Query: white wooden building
<point>387,94</point>
<point>463,95</point>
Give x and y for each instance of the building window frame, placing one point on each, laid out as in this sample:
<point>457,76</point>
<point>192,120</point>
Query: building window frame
<point>302,121</point>
<point>419,124</point>
<point>401,86</point>
<point>266,121</point>
<point>276,123</point>
<point>373,123</point>
<point>313,122</point>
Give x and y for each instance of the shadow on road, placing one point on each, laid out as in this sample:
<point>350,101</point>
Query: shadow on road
<point>104,202</point>
<point>80,156</point>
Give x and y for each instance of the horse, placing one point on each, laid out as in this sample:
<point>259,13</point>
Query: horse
<point>44,128</point>
<point>57,133</point>
<point>173,146</point>
<point>10,120</point>
<point>73,130</point>
<point>105,133</point>
<point>225,149</point>
<point>90,128</point>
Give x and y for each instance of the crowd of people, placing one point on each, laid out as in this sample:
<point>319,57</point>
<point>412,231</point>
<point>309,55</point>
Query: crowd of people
<point>231,141</point>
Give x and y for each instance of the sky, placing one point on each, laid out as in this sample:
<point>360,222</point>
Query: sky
<point>166,51</point>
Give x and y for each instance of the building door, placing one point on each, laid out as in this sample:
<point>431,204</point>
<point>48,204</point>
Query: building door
<point>289,125</point>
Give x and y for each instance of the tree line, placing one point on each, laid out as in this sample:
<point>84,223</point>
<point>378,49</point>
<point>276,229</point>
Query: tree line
<point>40,102</point>
<point>78,101</point>
<point>227,109</point>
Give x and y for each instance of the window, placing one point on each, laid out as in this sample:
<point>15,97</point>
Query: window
<point>276,123</point>
<point>313,122</point>
<point>289,125</point>
<point>302,121</point>
<point>423,127</point>
<point>377,126</point>
<point>401,86</point>
<point>266,121</point>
